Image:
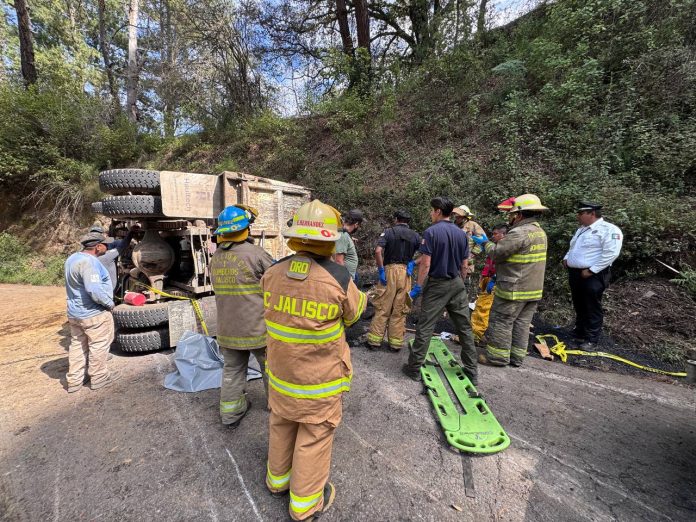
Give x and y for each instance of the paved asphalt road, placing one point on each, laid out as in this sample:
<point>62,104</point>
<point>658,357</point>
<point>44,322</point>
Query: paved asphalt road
<point>585,445</point>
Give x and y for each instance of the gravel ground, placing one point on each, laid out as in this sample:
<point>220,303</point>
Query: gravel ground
<point>586,445</point>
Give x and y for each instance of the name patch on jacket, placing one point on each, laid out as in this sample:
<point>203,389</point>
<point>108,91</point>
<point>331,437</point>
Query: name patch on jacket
<point>299,268</point>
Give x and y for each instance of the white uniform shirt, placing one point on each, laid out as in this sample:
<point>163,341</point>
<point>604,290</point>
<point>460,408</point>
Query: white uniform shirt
<point>595,247</point>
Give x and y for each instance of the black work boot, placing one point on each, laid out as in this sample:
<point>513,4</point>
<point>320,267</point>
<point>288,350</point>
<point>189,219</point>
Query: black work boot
<point>329,496</point>
<point>234,425</point>
<point>414,376</point>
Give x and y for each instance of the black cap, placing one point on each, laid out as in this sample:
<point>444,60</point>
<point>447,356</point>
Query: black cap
<point>584,206</point>
<point>402,215</point>
<point>355,216</point>
<point>92,239</point>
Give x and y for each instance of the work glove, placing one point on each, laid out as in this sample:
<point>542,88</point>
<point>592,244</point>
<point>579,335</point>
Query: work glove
<point>480,240</point>
<point>416,291</point>
<point>382,276</point>
<point>489,286</point>
<point>409,268</point>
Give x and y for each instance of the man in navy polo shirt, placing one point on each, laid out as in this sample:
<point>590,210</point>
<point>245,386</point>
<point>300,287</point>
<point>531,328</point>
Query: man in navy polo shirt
<point>444,260</point>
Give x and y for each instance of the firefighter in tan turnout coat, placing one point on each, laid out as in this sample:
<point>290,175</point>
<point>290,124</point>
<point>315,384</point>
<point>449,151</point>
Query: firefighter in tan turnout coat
<point>235,271</point>
<point>520,260</point>
<point>308,300</point>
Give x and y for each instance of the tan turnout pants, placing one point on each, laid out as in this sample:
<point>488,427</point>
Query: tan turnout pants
<point>299,459</point>
<point>233,402</point>
<point>507,336</point>
<point>390,308</point>
<point>90,341</point>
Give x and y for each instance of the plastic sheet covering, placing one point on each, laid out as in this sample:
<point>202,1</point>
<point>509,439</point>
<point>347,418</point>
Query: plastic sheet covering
<point>199,365</point>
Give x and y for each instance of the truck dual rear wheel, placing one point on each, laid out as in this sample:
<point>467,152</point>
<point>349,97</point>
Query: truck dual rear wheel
<point>124,181</point>
<point>139,342</point>
<point>132,206</point>
<point>147,316</point>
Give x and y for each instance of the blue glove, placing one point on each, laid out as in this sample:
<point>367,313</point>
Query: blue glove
<point>480,240</point>
<point>382,276</point>
<point>415,292</point>
<point>409,268</point>
<point>489,286</point>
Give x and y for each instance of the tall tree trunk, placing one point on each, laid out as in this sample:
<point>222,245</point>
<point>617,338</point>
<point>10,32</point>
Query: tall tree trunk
<point>362,21</point>
<point>132,71</point>
<point>481,21</point>
<point>344,28</point>
<point>26,42</point>
<point>418,13</point>
<point>108,64</point>
<point>363,60</point>
<point>168,44</point>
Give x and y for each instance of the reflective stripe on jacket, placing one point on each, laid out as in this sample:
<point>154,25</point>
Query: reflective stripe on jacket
<point>308,303</point>
<point>235,271</point>
<point>520,262</point>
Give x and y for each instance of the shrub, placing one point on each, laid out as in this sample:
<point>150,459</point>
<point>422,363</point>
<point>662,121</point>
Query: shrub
<point>18,264</point>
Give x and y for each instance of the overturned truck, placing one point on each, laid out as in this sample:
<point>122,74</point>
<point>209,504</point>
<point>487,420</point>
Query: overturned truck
<point>169,258</point>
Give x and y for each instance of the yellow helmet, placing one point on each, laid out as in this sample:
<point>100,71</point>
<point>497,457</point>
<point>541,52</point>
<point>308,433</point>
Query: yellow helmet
<point>315,221</point>
<point>463,210</point>
<point>527,202</point>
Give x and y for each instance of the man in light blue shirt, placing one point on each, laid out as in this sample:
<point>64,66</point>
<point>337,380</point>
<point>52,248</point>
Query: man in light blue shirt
<point>593,249</point>
<point>90,301</point>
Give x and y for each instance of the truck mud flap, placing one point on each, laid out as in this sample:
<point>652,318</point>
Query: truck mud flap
<point>469,426</point>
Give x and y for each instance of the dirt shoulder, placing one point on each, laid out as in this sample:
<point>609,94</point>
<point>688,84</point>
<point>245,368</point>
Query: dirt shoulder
<point>585,445</point>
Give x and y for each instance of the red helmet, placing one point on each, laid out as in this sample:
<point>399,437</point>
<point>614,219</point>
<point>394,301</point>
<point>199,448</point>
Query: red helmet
<point>506,206</point>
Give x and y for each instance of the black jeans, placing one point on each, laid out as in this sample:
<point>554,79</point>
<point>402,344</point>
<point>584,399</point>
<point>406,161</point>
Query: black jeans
<point>587,301</point>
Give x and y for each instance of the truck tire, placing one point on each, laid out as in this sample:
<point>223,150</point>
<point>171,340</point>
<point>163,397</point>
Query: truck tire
<point>147,316</point>
<point>123,181</point>
<point>97,207</point>
<point>140,342</point>
<point>132,206</point>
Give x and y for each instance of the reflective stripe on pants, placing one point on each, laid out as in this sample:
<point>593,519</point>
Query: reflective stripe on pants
<point>306,448</point>
<point>390,308</point>
<point>507,336</point>
<point>233,403</point>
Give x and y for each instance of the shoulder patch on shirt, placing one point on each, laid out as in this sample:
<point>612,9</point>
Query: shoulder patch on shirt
<point>299,268</point>
<point>616,236</point>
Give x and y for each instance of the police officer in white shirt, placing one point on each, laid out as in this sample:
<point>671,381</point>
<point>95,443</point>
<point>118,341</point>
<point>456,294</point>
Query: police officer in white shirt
<point>594,247</point>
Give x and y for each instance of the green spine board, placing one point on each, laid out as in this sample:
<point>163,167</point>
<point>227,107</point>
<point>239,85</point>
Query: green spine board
<point>477,430</point>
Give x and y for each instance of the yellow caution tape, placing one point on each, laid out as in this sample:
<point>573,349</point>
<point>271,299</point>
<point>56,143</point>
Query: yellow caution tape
<point>559,348</point>
<point>195,304</point>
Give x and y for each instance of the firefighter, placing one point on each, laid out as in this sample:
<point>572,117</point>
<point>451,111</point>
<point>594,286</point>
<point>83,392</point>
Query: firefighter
<point>309,300</point>
<point>520,260</point>
<point>463,218</point>
<point>235,271</point>
<point>394,257</point>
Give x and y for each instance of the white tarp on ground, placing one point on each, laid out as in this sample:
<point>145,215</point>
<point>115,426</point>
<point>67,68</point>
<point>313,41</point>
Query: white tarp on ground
<point>199,365</point>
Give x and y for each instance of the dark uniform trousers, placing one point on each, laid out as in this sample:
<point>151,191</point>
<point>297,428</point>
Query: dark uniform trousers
<point>587,301</point>
<point>440,295</point>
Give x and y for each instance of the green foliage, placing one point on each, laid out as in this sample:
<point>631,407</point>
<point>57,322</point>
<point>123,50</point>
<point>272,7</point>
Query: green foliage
<point>19,264</point>
<point>53,142</point>
<point>687,280</point>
